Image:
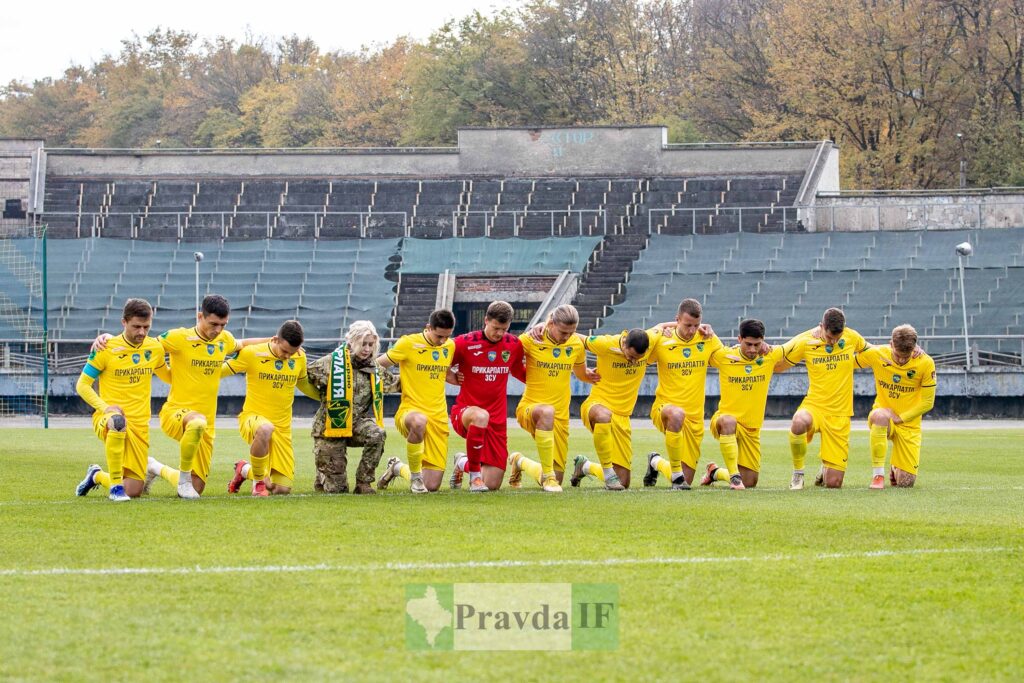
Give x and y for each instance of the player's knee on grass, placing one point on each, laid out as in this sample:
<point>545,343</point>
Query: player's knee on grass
<point>198,483</point>
<point>133,487</point>
<point>432,479</point>
<point>623,474</point>
<point>833,478</point>
<point>688,473</point>
<point>493,476</point>
<point>279,489</point>
<point>117,423</point>
<point>749,477</point>
<point>905,480</point>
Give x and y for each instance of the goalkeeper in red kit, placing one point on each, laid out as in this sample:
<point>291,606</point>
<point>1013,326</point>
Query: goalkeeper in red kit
<point>481,366</point>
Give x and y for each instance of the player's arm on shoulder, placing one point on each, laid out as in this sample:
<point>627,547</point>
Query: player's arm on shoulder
<point>928,387</point>
<point>792,352</point>
<point>307,387</point>
<point>170,340</point>
<point>317,373</point>
<point>586,374</point>
<point>163,372</point>
<point>868,357</point>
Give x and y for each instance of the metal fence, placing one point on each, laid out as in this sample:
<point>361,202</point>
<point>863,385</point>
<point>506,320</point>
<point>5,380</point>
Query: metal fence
<point>746,219</point>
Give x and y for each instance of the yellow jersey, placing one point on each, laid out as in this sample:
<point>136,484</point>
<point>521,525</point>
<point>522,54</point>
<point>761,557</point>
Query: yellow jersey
<point>125,374</point>
<point>549,368</point>
<point>683,370</point>
<point>899,387</point>
<point>195,368</point>
<point>269,382</point>
<point>422,368</point>
<point>829,369</point>
<point>620,378</point>
<point>743,383</point>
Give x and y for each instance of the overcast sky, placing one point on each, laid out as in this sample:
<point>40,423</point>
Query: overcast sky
<point>43,40</point>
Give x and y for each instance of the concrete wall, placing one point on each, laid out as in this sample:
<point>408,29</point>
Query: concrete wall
<point>906,211</point>
<point>585,151</point>
<point>19,159</point>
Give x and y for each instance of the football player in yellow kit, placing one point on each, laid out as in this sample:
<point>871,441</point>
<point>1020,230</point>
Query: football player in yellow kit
<point>423,360</point>
<point>904,392</point>
<point>122,406</point>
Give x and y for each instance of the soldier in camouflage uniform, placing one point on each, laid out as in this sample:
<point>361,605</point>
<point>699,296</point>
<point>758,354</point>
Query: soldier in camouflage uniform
<point>331,454</point>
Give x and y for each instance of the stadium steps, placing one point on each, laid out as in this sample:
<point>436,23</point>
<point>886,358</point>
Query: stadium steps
<point>417,294</point>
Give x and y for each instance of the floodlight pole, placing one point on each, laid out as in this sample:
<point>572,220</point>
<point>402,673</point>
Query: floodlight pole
<point>198,256</point>
<point>963,305</point>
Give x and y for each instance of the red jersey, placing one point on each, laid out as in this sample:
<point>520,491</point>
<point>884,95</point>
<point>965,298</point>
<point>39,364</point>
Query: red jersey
<point>486,366</point>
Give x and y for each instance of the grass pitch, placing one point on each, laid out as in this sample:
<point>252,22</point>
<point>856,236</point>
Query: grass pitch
<point>768,583</point>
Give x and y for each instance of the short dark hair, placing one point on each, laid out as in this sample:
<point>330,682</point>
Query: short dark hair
<point>638,340</point>
<point>834,321</point>
<point>136,308</point>
<point>690,306</point>
<point>751,329</point>
<point>442,319</point>
<point>215,304</point>
<point>291,332</point>
<point>500,311</point>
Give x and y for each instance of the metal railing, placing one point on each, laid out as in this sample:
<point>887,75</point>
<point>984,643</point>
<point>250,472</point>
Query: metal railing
<point>748,217</point>
<point>517,217</point>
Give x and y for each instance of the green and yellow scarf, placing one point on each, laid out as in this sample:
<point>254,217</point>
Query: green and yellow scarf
<point>339,395</point>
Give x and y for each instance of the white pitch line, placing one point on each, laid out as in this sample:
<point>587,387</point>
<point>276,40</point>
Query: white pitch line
<point>489,564</point>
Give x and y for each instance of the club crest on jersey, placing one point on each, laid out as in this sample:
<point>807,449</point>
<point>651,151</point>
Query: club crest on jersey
<point>896,379</point>
<point>828,348</point>
<point>435,355</point>
<point>209,349</point>
<point>760,360</point>
<point>505,355</point>
<point>445,351</point>
<point>700,346</point>
<point>842,343</point>
<point>291,363</point>
<point>568,352</point>
<point>278,365</point>
<point>911,373</point>
<point>556,352</point>
<point>748,369</point>
<point>492,356</point>
<point>148,354</point>
<point>686,352</point>
<point>136,358</point>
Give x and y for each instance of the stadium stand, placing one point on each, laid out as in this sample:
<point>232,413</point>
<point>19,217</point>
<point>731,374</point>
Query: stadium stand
<point>881,279</point>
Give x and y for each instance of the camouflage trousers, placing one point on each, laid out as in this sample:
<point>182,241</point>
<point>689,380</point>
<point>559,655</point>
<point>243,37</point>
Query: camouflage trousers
<point>331,456</point>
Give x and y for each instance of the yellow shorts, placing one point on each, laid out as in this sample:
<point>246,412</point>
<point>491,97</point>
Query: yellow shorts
<point>835,437</point>
<point>282,454</point>
<point>136,444</point>
<point>622,434</point>
<point>435,441</point>
<point>748,441</point>
<point>524,416</point>
<point>692,434</point>
<point>172,424</point>
<point>906,446</point>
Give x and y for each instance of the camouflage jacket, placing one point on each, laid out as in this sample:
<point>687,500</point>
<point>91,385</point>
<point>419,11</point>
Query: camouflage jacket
<point>362,396</point>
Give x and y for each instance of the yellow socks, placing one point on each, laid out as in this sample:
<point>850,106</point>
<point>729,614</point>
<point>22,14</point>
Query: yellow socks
<point>720,474</point>
<point>731,452</point>
<point>603,443</point>
<point>170,475</point>
<point>545,439</point>
<point>532,467</point>
<point>594,470</point>
<point>101,478</point>
<point>879,442</point>
<point>259,467</point>
<point>798,449</point>
<point>414,453</point>
<point>674,448</point>
<point>405,473</point>
<point>189,443</point>
<point>115,456</point>
<point>664,466</point>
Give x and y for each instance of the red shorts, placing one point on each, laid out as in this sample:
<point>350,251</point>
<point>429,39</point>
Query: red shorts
<point>495,450</point>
